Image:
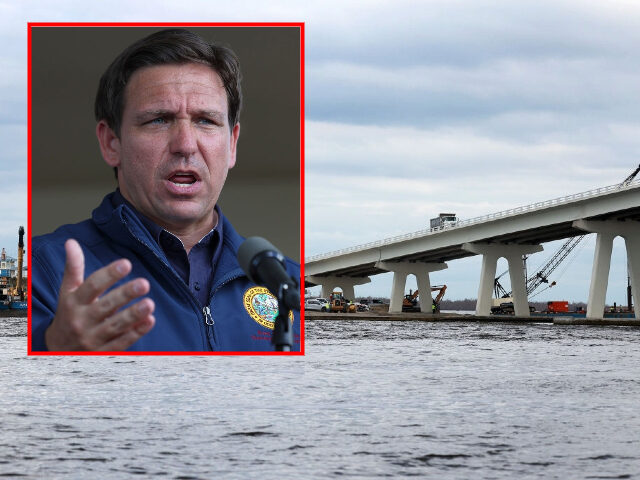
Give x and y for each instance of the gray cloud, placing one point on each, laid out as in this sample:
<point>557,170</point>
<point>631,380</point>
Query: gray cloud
<point>418,107</point>
<point>406,33</point>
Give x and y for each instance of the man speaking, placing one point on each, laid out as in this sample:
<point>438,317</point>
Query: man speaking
<point>155,268</point>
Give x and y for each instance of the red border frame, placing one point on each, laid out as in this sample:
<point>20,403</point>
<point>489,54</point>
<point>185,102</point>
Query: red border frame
<point>299,25</point>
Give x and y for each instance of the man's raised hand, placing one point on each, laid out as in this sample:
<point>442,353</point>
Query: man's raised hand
<point>86,319</point>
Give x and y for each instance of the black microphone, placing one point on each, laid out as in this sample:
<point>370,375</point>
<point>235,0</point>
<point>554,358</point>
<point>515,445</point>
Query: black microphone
<point>265,265</point>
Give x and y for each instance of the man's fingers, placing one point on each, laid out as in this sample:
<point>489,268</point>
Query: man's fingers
<point>127,339</point>
<point>123,321</point>
<point>73,267</point>
<point>101,280</point>
<point>119,297</point>
<point>88,320</point>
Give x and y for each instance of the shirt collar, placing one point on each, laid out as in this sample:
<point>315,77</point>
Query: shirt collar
<point>156,230</point>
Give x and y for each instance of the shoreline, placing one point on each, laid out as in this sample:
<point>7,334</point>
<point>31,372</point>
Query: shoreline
<point>471,318</point>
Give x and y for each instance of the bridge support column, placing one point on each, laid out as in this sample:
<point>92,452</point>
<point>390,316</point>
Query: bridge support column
<point>346,284</point>
<point>400,272</point>
<point>606,231</point>
<point>490,255</point>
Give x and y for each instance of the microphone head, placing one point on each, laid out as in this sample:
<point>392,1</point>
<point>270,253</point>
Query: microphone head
<point>251,250</point>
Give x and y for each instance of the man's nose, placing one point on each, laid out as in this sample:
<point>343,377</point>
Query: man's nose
<point>183,140</point>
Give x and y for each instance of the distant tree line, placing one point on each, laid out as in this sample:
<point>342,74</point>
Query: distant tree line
<point>470,304</point>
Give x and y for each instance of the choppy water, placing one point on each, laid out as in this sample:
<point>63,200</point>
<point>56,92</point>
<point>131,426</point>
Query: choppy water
<point>368,400</point>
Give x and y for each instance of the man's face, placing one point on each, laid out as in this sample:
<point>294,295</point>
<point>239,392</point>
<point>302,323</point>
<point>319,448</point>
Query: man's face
<point>175,145</point>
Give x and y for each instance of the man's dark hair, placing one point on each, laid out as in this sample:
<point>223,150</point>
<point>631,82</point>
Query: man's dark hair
<point>166,47</point>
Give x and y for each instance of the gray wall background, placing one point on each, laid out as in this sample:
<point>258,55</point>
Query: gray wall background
<point>69,178</point>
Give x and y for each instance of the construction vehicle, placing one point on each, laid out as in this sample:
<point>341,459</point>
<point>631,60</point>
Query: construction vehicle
<point>340,304</point>
<point>443,220</point>
<point>558,307</point>
<point>436,301</point>
<point>504,306</point>
<point>410,302</point>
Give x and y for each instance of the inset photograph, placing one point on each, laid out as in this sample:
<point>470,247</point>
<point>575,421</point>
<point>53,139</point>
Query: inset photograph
<point>165,194</point>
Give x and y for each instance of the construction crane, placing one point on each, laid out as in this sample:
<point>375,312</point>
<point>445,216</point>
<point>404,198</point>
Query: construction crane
<point>630,178</point>
<point>542,275</point>
<point>18,291</point>
<point>624,183</point>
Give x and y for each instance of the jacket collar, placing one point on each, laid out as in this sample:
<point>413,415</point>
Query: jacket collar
<point>123,226</point>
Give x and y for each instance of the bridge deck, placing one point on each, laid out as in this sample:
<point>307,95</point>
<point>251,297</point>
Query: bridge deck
<point>533,224</point>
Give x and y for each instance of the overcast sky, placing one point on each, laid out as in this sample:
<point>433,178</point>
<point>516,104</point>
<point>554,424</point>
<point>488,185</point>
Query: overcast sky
<point>415,108</point>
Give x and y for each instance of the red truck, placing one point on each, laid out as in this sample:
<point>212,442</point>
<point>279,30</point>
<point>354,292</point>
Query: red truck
<point>558,307</point>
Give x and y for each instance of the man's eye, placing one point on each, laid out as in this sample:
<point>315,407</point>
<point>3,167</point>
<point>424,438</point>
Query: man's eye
<point>206,121</point>
<point>156,121</point>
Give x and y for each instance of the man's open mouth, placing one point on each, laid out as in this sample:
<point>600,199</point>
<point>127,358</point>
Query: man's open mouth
<point>183,179</point>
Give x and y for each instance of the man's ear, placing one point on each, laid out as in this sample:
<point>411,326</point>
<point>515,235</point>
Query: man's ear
<point>109,144</point>
<point>235,133</point>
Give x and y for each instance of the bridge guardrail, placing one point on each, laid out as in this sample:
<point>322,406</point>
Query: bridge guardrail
<point>483,218</point>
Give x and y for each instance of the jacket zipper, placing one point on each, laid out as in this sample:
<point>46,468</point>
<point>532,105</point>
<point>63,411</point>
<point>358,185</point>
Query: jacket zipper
<point>207,316</point>
<point>208,319</point>
<point>207,310</point>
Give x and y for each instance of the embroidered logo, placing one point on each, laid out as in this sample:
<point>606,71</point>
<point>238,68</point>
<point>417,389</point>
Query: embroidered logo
<point>262,306</point>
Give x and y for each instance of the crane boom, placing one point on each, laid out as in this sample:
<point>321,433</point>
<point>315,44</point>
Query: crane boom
<point>630,178</point>
<point>542,275</point>
<point>19,290</point>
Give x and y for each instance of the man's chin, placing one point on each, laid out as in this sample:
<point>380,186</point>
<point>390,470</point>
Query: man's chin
<point>184,218</point>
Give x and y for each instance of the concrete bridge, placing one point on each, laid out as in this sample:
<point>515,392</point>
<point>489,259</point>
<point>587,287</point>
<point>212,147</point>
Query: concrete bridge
<point>608,211</point>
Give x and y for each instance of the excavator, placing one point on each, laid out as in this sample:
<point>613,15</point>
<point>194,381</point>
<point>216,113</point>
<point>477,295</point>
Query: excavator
<point>410,302</point>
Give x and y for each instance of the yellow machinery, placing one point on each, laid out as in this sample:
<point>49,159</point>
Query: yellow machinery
<point>18,291</point>
<point>410,302</point>
<point>340,304</point>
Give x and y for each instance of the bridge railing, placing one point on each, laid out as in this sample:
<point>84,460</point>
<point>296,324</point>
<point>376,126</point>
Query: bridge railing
<point>481,219</point>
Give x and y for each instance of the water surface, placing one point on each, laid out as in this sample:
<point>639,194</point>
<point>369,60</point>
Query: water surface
<point>369,400</point>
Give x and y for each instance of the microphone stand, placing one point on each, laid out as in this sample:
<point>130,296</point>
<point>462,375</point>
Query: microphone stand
<point>282,338</point>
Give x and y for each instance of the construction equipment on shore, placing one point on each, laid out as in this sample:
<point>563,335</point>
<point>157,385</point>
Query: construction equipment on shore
<point>338,303</point>
<point>557,306</point>
<point>410,302</point>
<point>542,276</point>
<point>18,290</point>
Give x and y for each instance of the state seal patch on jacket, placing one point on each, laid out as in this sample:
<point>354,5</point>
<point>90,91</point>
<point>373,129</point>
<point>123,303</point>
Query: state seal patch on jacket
<point>262,306</point>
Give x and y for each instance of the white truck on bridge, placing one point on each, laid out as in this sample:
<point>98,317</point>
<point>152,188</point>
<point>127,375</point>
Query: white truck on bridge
<point>443,220</point>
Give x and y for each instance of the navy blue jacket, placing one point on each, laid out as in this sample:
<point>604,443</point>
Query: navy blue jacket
<point>241,312</point>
